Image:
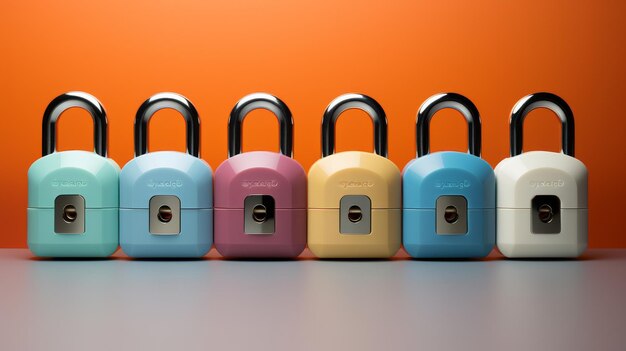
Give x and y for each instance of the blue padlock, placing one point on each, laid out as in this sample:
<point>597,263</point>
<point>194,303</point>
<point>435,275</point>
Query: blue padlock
<point>73,195</point>
<point>166,197</point>
<point>448,197</point>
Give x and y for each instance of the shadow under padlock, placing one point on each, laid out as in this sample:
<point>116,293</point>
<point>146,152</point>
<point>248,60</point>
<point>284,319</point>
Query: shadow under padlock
<point>541,195</point>
<point>166,196</point>
<point>73,195</point>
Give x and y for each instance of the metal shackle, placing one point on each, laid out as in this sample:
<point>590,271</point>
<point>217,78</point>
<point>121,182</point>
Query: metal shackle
<point>162,101</point>
<point>439,102</point>
<point>253,102</point>
<point>542,100</point>
<point>66,101</point>
<point>351,101</point>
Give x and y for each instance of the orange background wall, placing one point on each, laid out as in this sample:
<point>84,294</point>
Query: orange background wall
<point>307,53</point>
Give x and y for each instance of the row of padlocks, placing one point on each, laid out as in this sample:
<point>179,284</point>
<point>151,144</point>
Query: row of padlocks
<point>354,205</point>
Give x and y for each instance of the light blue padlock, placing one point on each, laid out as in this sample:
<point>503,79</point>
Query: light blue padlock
<point>448,197</point>
<point>73,195</point>
<point>166,197</point>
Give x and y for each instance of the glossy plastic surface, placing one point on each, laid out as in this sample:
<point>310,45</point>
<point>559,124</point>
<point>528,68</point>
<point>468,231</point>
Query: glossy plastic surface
<point>166,173</point>
<point>83,173</point>
<point>427,178</point>
<point>354,173</point>
<point>260,173</point>
<point>522,177</point>
<point>519,180</point>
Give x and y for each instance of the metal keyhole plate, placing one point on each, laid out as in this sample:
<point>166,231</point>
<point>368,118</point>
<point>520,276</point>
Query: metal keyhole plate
<point>165,215</point>
<point>355,212</point>
<point>69,214</point>
<point>259,211</point>
<point>546,214</point>
<point>451,215</point>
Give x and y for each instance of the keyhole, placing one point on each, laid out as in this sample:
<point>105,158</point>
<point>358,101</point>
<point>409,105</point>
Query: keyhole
<point>451,214</point>
<point>545,213</point>
<point>165,214</point>
<point>259,213</point>
<point>69,213</point>
<point>355,214</point>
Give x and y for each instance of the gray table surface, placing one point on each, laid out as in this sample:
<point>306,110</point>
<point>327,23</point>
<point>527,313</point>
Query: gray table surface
<point>216,304</point>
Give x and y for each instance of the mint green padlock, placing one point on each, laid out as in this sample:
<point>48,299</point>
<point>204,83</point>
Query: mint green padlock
<point>73,196</point>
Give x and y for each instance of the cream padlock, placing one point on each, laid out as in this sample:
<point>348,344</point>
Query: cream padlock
<point>354,197</point>
<point>541,195</point>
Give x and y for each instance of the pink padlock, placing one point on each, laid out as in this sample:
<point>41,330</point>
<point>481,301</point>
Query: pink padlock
<point>260,196</point>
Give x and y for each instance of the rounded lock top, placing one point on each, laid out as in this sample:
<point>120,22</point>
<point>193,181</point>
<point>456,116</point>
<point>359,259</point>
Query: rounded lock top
<point>260,172</point>
<point>161,101</point>
<point>448,173</point>
<point>361,102</point>
<point>521,178</point>
<point>250,103</point>
<point>66,101</point>
<point>542,100</point>
<point>439,102</point>
<point>166,173</point>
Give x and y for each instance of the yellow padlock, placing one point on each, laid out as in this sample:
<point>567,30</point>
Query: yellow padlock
<point>354,197</point>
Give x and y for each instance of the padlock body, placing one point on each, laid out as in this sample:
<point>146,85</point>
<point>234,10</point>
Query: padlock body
<point>528,182</point>
<point>100,238</point>
<point>518,241</point>
<point>420,238</point>
<point>287,241</point>
<point>363,181</point>
<point>268,180</point>
<point>81,174</point>
<point>178,181</point>
<point>436,182</point>
<point>326,240</point>
<point>194,239</point>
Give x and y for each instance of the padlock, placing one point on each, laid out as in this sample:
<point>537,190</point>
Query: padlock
<point>73,195</point>
<point>448,197</point>
<point>166,202</point>
<point>355,197</point>
<point>541,195</point>
<point>260,196</point>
